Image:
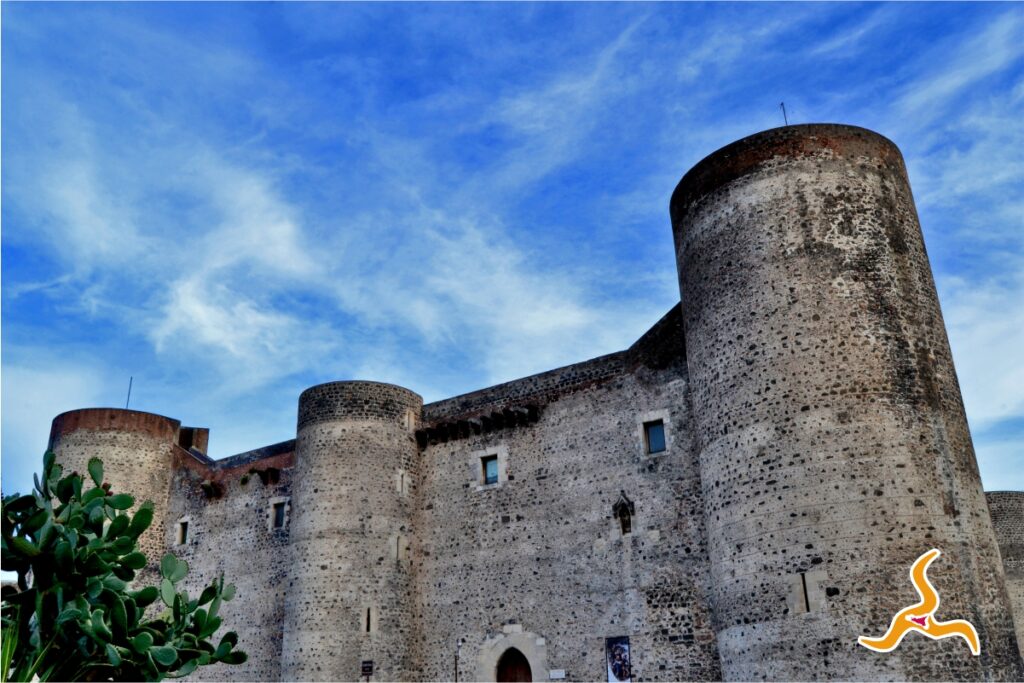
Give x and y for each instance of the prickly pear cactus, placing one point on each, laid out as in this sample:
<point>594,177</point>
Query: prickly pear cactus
<point>74,615</point>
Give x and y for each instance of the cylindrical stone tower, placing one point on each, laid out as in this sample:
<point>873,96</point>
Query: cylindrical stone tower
<point>135,448</point>
<point>349,597</point>
<point>830,430</point>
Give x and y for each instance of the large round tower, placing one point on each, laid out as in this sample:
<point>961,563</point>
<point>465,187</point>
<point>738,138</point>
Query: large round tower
<point>135,448</point>
<point>349,597</point>
<point>832,439</point>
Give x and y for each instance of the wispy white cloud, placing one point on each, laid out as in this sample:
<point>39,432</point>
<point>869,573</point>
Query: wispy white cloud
<point>849,40</point>
<point>985,321</point>
<point>252,220</point>
<point>34,393</point>
<point>552,121</point>
<point>997,47</point>
<point>982,163</point>
<point>1001,461</point>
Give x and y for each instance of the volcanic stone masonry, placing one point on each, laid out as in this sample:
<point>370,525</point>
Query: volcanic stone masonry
<point>740,494</point>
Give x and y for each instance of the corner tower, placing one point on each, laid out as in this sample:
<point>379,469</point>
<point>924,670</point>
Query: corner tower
<point>349,598</point>
<point>136,450</point>
<point>831,435</point>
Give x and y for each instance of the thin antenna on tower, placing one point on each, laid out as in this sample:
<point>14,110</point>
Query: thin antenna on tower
<point>130,378</point>
<point>784,117</point>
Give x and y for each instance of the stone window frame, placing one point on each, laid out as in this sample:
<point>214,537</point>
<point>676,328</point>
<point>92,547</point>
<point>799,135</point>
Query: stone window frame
<point>805,591</point>
<point>287,512</point>
<point>476,467</point>
<point>403,482</point>
<point>654,416</point>
<point>399,548</point>
<point>189,531</point>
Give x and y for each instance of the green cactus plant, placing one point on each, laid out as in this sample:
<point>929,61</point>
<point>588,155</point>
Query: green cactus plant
<point>76,615</point>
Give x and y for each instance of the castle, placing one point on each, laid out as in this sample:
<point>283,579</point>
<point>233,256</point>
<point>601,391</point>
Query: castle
<point>739,495</point>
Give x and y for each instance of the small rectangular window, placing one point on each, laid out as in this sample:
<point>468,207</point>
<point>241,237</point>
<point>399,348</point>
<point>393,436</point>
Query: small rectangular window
<point>182,533</point>
<point>654,433</point>
<point>490,469</point>
<point>279,515</point>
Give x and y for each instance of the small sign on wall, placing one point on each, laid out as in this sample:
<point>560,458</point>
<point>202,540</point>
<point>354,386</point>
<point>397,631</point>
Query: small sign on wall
<point>556,674</point>
<point>366,668</point>
<point>616,650</point>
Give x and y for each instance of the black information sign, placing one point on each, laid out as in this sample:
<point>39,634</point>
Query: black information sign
<point>367,667</point>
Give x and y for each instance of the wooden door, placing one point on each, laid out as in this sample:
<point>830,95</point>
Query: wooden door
<point>513,667</point>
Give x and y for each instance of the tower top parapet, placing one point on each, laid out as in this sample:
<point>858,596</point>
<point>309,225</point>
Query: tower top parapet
<point>356,400</point>
<point>787,142</point>
<point>114,419</point>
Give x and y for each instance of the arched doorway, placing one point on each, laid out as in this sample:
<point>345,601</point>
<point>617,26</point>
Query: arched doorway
<point>513,666</point>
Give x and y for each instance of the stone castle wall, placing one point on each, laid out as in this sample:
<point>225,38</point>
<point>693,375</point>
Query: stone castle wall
<point>230,533</point>
<point>1008,519</point>
<point>816,446</point>
<point>539,556</point>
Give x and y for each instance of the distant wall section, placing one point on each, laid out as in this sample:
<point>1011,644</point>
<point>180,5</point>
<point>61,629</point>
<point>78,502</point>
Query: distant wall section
<point>229,513</point>
<point>1007,509</point>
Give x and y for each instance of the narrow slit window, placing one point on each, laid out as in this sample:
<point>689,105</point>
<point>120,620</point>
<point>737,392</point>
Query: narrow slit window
<point>182,532</point>
<point>369,620</point>
<point>489,464</point>
<point>654,435</point>
<point>279,515</point>
<point>799,599</point>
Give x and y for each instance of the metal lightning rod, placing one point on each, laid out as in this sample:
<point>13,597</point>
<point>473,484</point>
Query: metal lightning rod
<point>130,378</point>
<point>784,117</point>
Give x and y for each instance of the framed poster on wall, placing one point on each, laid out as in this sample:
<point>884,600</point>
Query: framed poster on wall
<point>616,653</point>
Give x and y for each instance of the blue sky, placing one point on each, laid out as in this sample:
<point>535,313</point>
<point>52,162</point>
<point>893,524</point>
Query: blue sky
<point>232,202</point>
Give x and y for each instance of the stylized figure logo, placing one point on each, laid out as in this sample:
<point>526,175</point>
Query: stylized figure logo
<point>920,617</point>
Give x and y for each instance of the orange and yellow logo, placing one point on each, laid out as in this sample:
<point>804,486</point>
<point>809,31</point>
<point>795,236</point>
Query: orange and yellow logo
<point>921,616</point>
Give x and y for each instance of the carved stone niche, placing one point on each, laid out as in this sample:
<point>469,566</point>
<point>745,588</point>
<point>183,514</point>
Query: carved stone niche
<point>623,510</point>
